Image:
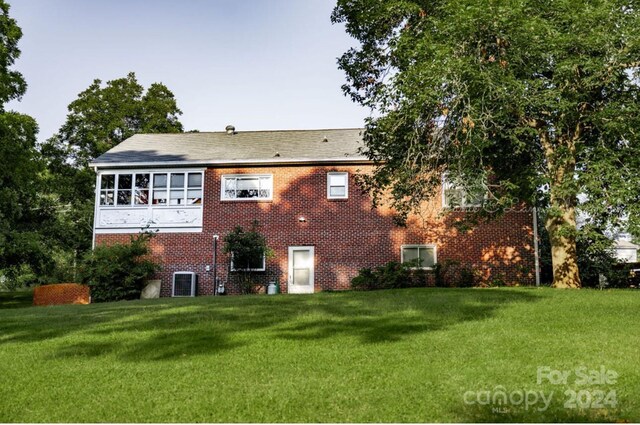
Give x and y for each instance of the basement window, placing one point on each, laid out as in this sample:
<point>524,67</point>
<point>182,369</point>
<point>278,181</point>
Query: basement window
<point>257,263</point>
<point>421,256</point>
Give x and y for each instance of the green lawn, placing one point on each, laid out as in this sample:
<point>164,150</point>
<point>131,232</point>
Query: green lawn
<point>16,299</point>
<point>402,356</point>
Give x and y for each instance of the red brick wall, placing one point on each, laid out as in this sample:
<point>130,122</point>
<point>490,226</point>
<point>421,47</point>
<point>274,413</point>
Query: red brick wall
<point>347,234</point>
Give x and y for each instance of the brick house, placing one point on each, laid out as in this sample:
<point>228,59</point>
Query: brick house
<point>193,188</point>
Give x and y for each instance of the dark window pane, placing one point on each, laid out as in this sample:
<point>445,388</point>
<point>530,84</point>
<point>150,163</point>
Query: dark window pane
<point>108,181</point>
<point>125,181</point>
<point>244,262</point>
<point>142,181</point>
<point>124,197</point>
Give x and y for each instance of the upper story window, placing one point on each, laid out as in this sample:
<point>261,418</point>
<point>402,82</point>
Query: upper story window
<point>422,256</point>
<point>337,185</point>
<point>247,187</point>
<point>156,188</point>
<point>460,195</point>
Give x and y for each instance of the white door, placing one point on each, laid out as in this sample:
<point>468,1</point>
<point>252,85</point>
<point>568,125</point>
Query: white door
<point>301,269</point>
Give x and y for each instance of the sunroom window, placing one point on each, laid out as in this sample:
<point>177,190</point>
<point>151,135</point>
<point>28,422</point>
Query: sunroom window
<point>107,189</point>
<point>125,182</point>
<point>145,188</point>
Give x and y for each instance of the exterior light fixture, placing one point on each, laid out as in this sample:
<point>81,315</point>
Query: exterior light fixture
<point>301,219</point>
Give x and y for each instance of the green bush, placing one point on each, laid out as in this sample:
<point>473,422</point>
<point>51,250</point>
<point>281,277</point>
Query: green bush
<point>387,276</point>
<point>248,251</point>
<point>118,272</point>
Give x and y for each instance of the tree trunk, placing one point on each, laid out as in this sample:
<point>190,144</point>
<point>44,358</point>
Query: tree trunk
<point>561,218</point>
<point>561,228</point>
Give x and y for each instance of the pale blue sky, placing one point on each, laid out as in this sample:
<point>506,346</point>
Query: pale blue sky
<point>257,64</point>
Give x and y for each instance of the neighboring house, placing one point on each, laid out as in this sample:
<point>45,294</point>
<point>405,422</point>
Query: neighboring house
<point>300,186</point>
<point>625,250</point>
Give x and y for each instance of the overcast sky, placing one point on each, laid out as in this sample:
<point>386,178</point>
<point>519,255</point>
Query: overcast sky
<point>257,64</point>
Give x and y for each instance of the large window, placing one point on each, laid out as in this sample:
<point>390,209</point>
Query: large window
<point>337,185</point>
<point>156,188</point>
<point>456,194</point>
<point>247,187</point>
<point>421,256</point>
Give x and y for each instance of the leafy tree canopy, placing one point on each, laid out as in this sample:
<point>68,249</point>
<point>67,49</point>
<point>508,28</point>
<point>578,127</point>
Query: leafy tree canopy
<point>538,99</point>
<point>103,116</point>
<point>12,84</point>
<point>23,212</point>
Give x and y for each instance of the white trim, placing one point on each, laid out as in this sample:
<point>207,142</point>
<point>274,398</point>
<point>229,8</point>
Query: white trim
<point>232,162</point>
<point>245,176</point>
<point>435,253</point>
<point>193,285</point>
<point>131,230</point>
<point>346,184</point>
<point>301,289</point>
<point>96,202</point>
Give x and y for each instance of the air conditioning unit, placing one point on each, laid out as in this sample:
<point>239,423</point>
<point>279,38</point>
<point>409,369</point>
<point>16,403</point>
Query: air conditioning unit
<point>184,284</point>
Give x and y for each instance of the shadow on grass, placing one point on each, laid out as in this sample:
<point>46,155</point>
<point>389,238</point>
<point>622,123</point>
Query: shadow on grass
<point>167,329</point>
<point>16,299</point>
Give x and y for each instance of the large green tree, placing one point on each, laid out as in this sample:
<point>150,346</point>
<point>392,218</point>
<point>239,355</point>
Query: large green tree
<point>539,99</point>
<point>100,118</point>
<point>23,211</point>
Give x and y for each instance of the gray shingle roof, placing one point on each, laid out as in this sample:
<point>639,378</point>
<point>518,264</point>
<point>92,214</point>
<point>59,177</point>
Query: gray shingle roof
<point>243,147</point>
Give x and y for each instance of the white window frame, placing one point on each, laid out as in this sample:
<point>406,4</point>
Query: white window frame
<point>151,189</point>
<point>448,185</point>
<point>226,177</point>
<point>262,269</point>
<point>425,246</point>
<point>346,184</point>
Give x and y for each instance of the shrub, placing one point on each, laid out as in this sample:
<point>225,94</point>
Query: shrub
<point>389,275</point>
<point>118,272</point>
<point>248,249</point>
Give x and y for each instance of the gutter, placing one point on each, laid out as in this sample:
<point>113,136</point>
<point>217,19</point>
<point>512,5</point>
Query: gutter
<point>231,163</point>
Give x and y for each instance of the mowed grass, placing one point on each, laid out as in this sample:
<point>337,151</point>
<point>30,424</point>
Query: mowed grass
<point>387,356</point>
<point>16,299</point>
